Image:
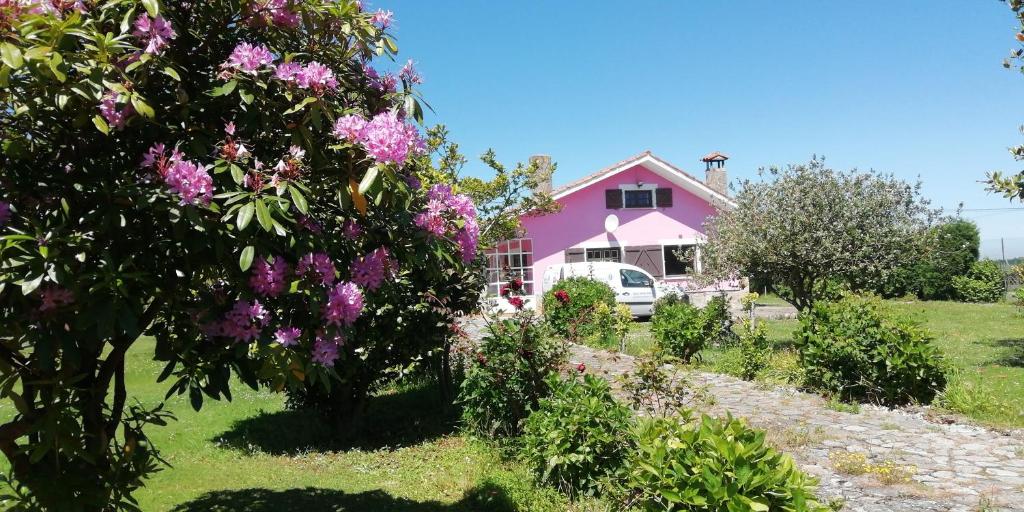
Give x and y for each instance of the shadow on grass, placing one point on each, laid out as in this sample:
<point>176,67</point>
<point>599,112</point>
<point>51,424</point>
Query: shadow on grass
<point>408,416</point>
<point>312,499</point>
<point>1014,354</point>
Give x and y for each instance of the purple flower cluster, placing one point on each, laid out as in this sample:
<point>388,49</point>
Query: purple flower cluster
<point>317,266</point>
<point>5,213</point>
<point>55,297</point>
<point>115,116</point>
<point>370,270</point>
<point>288,336</point>
<point>191,181</point>
<point>273,12</point>
<point>382,18</point>
<point>344,304</point>
<point>244,322</point>
<point>249,58</point>
<point>409,73</point>
<point>442,204</point>
<point>351,229</point>
<point>269,280</point>
<point>386,137</point>
<point>154,33</point>
<point>325,351</point>
<point>313,76</point>
<point>383,83</point>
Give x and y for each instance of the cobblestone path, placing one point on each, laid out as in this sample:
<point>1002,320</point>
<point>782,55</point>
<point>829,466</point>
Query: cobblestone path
<point>958,467</point>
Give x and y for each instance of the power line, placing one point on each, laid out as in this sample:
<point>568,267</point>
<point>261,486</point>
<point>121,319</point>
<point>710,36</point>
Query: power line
<point>991,209</point>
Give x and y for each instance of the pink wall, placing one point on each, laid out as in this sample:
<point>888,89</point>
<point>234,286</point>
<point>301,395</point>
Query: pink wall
<point>581,220</point>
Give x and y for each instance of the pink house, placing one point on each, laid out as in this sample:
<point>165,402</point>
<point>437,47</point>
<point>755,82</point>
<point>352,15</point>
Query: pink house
<point>639,211</point>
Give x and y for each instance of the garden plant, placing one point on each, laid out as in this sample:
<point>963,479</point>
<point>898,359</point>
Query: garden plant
<point>234,178</point>
<point>569,306</point>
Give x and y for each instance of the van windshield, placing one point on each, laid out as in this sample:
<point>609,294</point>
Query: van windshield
<point>634,279</point>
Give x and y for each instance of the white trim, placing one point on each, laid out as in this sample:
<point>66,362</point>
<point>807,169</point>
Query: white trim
<point>658,166</point>
<point>689,240</point>
<point>600,244</point>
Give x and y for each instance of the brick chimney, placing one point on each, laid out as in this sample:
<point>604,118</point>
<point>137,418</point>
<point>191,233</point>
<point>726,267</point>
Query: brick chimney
<point>716,177</point>
<point>543,173</point>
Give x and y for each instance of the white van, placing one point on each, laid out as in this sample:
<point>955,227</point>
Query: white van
<point>632,285</point>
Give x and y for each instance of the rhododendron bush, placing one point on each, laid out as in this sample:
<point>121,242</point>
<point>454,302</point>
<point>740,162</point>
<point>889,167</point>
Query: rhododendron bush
<point>233,178</point>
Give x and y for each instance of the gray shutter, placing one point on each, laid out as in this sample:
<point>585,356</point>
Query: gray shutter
<point>663,197</point>
<point>574,255</point>
<point>647,257</point>
<point>613,198</point>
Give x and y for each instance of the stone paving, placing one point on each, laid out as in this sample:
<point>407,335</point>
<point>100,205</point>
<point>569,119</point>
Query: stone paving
<point>957,467</point>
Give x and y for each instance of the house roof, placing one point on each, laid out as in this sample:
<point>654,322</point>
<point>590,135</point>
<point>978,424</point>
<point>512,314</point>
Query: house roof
<point>715,157</point>
<point>651,162</point>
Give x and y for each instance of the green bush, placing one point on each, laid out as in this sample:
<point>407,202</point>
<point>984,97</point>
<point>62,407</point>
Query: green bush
<point>507,378</point>
<point>755,350</point>
<point>578,436</point>
<point>983,283</point>
<point>715,465</point>
<point>572,315</point>
<point>859,349</point>
<point>680,329</point>
<point>719,318</point>
<point>954,249</point>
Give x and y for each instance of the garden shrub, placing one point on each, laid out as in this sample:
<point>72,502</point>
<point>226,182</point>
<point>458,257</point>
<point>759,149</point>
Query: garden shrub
<point>984,282</point>
<point>682,329</point>
<point>719,319</point>
<point>755,350</point>
<point>232,178</point>
<point>578,437</point>
<point>569,306</point>
<point>610,325</point>
<point>508,377</point>
<point>859,349</point>
<point>714,465</point>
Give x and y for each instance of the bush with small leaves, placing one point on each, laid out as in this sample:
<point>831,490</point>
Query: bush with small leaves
<point>569,306</point>
<point>713,465</point>
<point>985,282</point>
<point>755,350</point>
<point>579,437</point>
<point>860,349</point>
<point>719,321</point>
<point>681,329</point>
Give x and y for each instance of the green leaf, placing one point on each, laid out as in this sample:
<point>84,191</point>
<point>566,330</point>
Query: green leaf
<point>101,124</point>
<point>11,55</point>
<point>245,259</point>
<point>298,199</point>
<point>37,53</point>
<point>224,89</point>
<point>300,105</point>
<point>244,216</point>
<point>142,107</point>
<point>169,71</point>
<point>55,62</point>
<point>368,179</point>
<point>263,215</point>
<point>30,285</point>
<point>246,96</point>
<point>152,7</point>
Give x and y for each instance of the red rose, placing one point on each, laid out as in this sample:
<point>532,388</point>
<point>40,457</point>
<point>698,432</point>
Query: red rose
<point>562,296</point>
<point>505,292</point>
<point>516,284</point>
<point>516,302</point>
<point>581,367</point>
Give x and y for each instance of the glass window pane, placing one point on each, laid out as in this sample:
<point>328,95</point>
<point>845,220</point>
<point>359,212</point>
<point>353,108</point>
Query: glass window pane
<point>527,245</point>
<point>513,245</point>
<point>676,265</point>
<point>639,198</point>
<point>634,279</point>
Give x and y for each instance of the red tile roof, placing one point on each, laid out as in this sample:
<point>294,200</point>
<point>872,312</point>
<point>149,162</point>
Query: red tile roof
<point>714,157</point>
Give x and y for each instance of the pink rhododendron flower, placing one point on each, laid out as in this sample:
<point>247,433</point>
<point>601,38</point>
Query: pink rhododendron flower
<point>249,58</point>
<point>287,71</point>
<point>349,127</point>
<point>317,266</point>
<point>351,229</point>
<point>288,336</point>
<point>325,351</point>
<point>5,213</point>
<point>467,238</point>
<point>409,73</point>
<point>439,192</point>
<point>344,304</point>
<point>317,77</point>
<point>54,297</point>
<point>245,321</point>
<point>268,279</point>
<point>191,181</point>
<point>370,270</point>
<point>273,12</point>
<point>441,204</point>
<point>155,33</point>
<point>382,18</point>
<point>115,116</point>
<point>385,83</point>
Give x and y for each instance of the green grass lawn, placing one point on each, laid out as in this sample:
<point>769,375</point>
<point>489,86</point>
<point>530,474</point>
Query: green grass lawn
<point>252,455</point>
<point>984,344</point>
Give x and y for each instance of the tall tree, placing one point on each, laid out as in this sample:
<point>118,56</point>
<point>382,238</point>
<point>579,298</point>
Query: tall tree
<point>807,225</point>
<point>1011,185</point>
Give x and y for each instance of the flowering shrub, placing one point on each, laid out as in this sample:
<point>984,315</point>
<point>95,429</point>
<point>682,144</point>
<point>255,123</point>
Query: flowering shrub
<point>508,377</point>
<point>176,169</point>
<point>569,307</point>
<point>859,349</point>
<point>578,437</point>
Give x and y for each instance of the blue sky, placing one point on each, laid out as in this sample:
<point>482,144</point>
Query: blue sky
<point>912,88</point>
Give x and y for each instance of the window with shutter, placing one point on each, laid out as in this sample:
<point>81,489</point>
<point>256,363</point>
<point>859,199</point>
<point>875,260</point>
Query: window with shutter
<point>574,256</point>
<point>663,197</point>
<point>613,198</point>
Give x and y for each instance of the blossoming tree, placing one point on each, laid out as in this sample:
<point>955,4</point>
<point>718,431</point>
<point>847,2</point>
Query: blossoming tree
<point>231,177</point>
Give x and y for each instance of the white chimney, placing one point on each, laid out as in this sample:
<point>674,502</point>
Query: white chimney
<point>542,173</point>
<point>716,177</point>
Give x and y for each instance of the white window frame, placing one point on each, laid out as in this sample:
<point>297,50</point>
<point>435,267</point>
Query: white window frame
<point>500,278</point>
<point>586,258</point>
<point>675,243</point>
<point>651,187</point>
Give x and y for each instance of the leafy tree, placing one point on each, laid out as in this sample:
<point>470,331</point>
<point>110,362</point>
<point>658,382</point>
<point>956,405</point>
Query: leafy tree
<point>231,177</point>
<point>954,246</point>
<point>1011,186</point>
<point>808,225</point>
